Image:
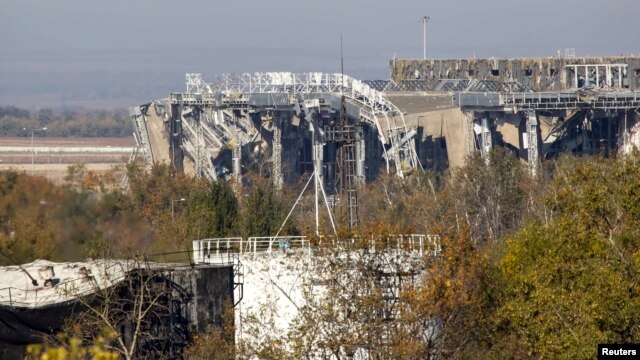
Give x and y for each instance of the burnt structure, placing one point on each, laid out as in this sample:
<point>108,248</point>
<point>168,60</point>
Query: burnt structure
<point>218,129</point>
<point>538,107</point>
<point>179,300</point>
<point>536,74</point>
<point>346,136</point>
<point>431,114</point>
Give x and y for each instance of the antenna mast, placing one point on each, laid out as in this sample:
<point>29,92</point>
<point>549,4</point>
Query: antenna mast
<point>346,133</point>
<point>341,63</point>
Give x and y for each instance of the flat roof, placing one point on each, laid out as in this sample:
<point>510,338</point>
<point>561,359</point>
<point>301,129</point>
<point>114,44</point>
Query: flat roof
<point>70,280</point>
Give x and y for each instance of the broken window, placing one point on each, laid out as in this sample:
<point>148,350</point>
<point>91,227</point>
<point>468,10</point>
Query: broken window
<point>528,72</point>
<point>495,72</point>
<point>473,72</point>
<point>552,72</point>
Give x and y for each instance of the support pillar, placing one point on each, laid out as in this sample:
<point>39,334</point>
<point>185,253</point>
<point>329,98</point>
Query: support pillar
<point>318,178</point>
<point>620,77</point>
<point>360,156</point>
<point>318,159</point>
<point>533,144</point>
<point>276,155</point>
<point>469,135</point>
<point>486,139</point>
<point>201,151</point>
<point>237,161</point>
<point>175,136</point>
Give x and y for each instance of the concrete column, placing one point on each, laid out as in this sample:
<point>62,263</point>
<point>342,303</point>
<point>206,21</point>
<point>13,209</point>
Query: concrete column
<point>486,139</point>
<point>318,160</point>
<point>237,161</point>
<point>360,156</point>
<point>469,135</point>
<point>620,76</point>
<point>533,144</point>
<point>276,155</point>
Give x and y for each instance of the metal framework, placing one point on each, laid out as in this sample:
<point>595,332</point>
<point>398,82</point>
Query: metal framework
<point>208,115</point>
<point>346,135</point>
<point>140,133</point>
<point>521,101</point>
<point>586,119</point>
<point>375,108</point>
<point>599,75</point>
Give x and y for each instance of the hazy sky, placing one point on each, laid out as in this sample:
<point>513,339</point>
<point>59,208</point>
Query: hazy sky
<point>105,47</point>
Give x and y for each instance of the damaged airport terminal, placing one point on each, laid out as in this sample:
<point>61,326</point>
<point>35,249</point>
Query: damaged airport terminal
<point>430,115</point>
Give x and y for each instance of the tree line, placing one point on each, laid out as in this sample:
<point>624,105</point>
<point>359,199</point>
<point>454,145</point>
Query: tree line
<point>530,268</point>
<point>161,211</point>
<point>80,122</point>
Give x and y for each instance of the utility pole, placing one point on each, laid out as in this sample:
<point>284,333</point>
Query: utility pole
<point>425,20</point>
<point>172,207</point>
<point>32,148</point>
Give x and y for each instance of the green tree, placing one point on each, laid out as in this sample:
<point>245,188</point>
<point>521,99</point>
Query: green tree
<point>572,282</point>
<point>263,212</point>
<point>212,213</point>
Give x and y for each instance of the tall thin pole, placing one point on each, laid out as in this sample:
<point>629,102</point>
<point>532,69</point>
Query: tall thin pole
<point>173,207</point>
<point>341,66</point>
<point>315,180</point>
<point>425,20</point>
<point>32,150</point>
<point>341,57</point>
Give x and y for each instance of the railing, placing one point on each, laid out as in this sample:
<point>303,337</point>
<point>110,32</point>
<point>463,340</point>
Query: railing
<point>313,82</point>
<point>415,243</point>
<point>423,244</point>
<point>203,249</point>
<point>210,250</point>
<point>269,243</point>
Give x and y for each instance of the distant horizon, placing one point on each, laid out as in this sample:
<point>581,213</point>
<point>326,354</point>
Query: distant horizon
<point>110,54</point>
<point>111,79</point>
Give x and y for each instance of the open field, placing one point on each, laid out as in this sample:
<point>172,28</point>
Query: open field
<point>67,141</point>
<point>51,157</point>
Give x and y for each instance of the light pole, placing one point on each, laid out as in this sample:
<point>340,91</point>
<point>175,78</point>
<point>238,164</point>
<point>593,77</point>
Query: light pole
<point>32,149</point>
<point>172,206</point>
<point>425,20</point>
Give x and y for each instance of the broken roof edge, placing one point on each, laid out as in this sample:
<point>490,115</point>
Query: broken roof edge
<point>69,281</point>
<point>493,58</point>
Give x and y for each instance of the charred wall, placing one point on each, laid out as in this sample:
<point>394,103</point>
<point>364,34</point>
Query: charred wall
<point>539,74</point>
<point>192,299</point>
